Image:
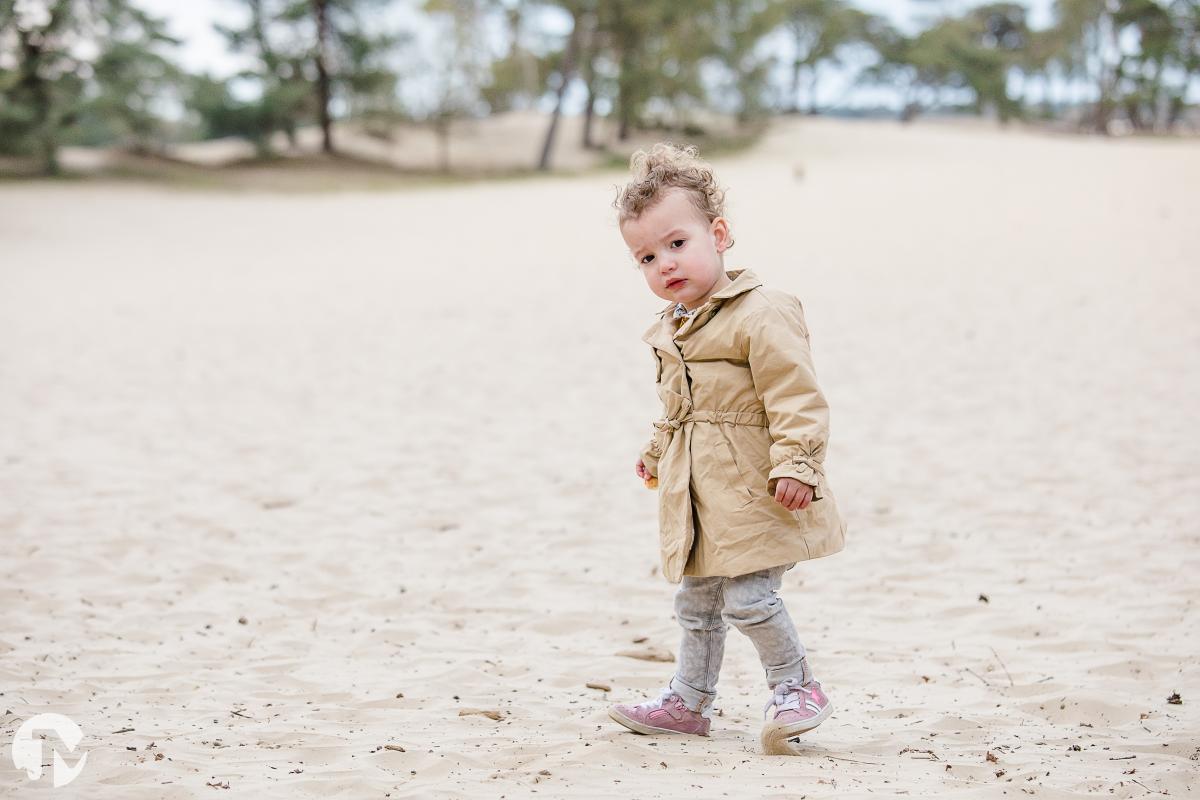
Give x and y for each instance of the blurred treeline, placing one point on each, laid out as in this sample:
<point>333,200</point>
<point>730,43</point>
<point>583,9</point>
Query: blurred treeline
<point>103,72</point>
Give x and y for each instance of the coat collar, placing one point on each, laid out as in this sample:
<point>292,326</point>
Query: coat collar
<point>662,333</point>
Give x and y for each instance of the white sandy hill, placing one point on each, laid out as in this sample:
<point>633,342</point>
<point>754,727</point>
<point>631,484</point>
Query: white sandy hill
<point>287,480</point>
<point>499,144</point>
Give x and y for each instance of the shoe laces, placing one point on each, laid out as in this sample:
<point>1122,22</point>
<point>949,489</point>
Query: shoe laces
<point>658,702</point>
<point>666,694</point>
<point>788,695</point>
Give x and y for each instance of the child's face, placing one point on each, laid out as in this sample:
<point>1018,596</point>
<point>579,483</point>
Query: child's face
<point>680,252</point>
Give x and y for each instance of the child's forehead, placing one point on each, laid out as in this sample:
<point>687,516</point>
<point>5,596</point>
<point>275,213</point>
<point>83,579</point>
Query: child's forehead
<point>673,211</point>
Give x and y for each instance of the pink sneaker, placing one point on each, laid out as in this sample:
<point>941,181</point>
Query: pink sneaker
<point>664,714</point>
<point>793,709</point>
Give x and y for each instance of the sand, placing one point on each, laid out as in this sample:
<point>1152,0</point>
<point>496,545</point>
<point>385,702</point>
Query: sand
<point>289,482</point>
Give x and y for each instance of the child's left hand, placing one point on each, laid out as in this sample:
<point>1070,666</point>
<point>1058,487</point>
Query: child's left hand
<point>792,494</point>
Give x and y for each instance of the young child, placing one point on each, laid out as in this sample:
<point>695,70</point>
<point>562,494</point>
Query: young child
<point>737,457</point>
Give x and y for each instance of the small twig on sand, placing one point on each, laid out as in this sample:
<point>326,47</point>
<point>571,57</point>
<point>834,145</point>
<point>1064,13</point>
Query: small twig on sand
<point>977,675</point>
<point>922,754</point>
<point>997,655</point>
<point>852,761</point>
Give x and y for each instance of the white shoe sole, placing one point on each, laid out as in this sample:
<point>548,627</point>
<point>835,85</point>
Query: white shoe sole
<point>775,737</point>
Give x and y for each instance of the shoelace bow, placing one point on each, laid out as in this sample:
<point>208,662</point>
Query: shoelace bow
<point>789,695</point>
<point>658,702</point>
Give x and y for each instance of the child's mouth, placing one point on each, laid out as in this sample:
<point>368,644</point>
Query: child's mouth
<point>676,283</point>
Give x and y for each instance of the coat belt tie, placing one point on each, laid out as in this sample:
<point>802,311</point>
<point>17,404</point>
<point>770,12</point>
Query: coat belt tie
<point>755,419</point>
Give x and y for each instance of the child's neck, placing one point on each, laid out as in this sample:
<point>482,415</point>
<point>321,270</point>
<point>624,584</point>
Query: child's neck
<point>721,283</point>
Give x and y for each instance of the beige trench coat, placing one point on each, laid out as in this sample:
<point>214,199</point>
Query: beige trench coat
<point>741,409</point>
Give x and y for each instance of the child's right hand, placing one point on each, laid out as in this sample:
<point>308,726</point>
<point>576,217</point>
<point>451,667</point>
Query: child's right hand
<point>651,481</point>
<point>641,470</point>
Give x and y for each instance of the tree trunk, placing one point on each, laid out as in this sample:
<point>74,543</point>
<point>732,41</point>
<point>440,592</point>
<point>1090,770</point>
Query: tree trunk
<point>1109,81</point>
<point>258,24</point>
<point>1157,106</point>
<point>625,47</point>
<point>441,127</point>
<point>31,83</point>
<point>625,95</point>
<point>797,66</point>
<point>589,116</point>
<point>623,112</point>
<point>588,73</point>
<point>321,8</point>
<point>812,90</point>
<point>1175,111</point>
<point>566,72</point>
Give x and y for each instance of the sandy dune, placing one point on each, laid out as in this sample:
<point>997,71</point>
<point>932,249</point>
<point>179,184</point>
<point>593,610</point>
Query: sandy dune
<point>286,479</point>
<point>497,145</point>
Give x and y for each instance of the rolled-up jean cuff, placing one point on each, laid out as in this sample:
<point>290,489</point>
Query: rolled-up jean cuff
<point>798,670</point>
<point>693,698</point>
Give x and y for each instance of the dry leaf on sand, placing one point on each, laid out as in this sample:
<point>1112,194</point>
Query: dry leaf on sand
<point>649,654</point>
<point>483,712</point>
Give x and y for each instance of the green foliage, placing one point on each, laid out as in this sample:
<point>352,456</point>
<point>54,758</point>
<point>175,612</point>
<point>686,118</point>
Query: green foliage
<point>649,56</point>
<point>819,30</point>
<point>975,52</point>
<point>737,30</point>
<point>221,115</point>
<point>130,77</point>
<point>99,71</point>
<point>303,69</point>
<point>1166,36</point>
<point>460,69</point>
<point>55,91</point>
<point>507,84</point>
<point>1149,82</point>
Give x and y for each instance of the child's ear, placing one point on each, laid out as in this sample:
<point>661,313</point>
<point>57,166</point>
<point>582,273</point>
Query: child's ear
<point>720,231</point>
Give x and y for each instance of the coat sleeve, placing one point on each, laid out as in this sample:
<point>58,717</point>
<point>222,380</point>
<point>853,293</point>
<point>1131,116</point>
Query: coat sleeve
<point>781,367</point>
<point>650,456</point>
<point>650,452</point>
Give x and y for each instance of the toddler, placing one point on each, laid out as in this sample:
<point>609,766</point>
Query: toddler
<point>737,457</point>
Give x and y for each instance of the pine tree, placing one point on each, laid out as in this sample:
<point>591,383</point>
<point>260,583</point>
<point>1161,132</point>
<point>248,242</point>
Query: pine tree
<point>57,46</point>
<point>345,53</point>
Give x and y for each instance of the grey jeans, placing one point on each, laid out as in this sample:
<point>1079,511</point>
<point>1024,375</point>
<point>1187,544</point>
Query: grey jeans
<point>703,606</point>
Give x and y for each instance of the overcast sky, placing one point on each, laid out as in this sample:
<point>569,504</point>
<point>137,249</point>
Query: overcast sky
<point>203,49</point>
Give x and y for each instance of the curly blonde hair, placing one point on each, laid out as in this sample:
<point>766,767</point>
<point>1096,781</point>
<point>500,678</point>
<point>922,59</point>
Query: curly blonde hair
<point>669,166</point>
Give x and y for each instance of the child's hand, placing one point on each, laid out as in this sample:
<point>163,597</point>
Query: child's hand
<point>792,494</point>
<point>643,473</point>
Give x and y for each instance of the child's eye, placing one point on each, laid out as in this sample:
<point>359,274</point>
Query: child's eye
<point>647,259</point>
<point>677,243</point>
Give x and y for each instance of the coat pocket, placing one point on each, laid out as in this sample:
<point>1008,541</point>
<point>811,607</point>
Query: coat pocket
<point>735,480</point>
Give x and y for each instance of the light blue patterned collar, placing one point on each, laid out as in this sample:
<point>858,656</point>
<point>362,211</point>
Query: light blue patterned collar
<point>680,311</point>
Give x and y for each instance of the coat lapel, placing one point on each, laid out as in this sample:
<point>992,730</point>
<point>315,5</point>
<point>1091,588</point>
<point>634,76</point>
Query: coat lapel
<point>662,334</point>
<point>743,281</point>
